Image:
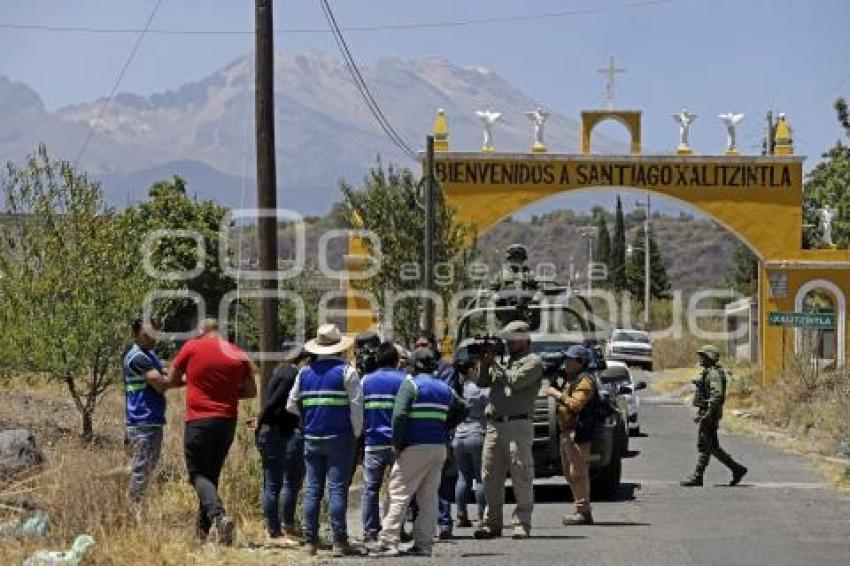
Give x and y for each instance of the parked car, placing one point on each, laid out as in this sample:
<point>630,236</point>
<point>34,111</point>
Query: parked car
<point>633,347</point>
<point>617,376</point>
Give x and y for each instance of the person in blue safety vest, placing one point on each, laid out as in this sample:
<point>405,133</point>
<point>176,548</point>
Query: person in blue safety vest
<point>380,388</point>
<point>447,373</point>
<point>425,410</point>
<point>144,388</point>
<point>327,395</point>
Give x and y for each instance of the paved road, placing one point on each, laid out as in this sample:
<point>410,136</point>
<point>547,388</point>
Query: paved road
<point>782,514</point>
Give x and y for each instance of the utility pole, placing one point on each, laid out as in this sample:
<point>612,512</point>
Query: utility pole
<point>589,235</point>
<point>266,184</point>
<point>428,238</point>
<point>646,274</point>
<point>647,283</point>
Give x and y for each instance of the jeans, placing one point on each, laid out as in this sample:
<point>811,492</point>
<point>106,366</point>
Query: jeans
<point>146,442</point>
<point>330,460</point>
<point>283,471</point>
<point>206,443</point>
<point>468,452</point>
<point>374,465</point>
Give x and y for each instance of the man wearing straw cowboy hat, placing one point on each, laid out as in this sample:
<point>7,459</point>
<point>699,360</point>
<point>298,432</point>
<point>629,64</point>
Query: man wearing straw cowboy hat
<point>328,397</point>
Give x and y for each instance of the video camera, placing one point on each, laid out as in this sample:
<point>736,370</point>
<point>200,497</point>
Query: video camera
<point>366,352</point>
<point>486,343</point>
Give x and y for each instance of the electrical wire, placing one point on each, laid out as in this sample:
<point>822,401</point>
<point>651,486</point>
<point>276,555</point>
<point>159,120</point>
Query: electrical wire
<point>107,105</point>
<point>361,85</point>
<point>373,28</point>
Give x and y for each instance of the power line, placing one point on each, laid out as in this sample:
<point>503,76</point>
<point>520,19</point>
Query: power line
<point>362,87</point>
<point>374,28</point>
<point>107,105</point>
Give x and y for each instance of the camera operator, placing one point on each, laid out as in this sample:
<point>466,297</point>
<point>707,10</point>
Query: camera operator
<point>577,417</point>
<point>510,430</point>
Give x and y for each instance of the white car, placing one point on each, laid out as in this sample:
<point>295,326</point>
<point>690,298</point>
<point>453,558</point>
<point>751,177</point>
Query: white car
<point>632,347</point>
<point>618,376</point>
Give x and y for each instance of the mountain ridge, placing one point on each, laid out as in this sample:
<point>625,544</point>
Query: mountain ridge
<point>325,131</point>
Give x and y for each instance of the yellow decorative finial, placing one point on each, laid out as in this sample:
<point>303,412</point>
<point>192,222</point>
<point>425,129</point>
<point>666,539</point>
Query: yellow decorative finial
<point>783,143</point>
<point>441,131</point>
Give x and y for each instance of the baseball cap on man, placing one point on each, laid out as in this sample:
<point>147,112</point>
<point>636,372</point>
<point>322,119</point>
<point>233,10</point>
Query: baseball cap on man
<point>577,352</point>
<point>423,360</point>
<point>516,329</point>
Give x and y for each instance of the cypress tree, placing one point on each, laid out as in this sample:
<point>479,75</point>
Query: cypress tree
<point>617,260</point>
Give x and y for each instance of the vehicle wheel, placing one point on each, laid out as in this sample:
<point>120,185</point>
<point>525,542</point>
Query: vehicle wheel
<point>634,431</point>
<point>624,443</point>
<point>648,367</point>
<point>606,485</point>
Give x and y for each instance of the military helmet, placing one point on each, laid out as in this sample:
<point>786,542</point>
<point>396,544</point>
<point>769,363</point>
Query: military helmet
<point>423,360</point>
<point>710,352</point>
<point>516,253</point>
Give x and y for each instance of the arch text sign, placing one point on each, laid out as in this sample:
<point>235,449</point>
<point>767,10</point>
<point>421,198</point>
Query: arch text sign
<point>758,198</point>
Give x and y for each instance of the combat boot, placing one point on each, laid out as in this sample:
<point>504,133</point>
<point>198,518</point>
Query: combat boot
<point>693,481</point>
<point>579,518</point>
<point>738,474</point>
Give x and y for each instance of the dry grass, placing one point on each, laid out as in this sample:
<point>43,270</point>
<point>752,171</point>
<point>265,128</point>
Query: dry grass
<point>80,494</point>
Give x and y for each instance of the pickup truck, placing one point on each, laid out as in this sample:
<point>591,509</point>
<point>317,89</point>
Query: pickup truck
<point>565,326</point>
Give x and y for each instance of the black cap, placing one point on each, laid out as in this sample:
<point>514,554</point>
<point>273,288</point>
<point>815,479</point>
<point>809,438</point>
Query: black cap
<point>423,360</point>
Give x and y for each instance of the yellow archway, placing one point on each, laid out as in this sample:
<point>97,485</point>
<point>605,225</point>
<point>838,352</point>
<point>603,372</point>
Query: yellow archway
<point>758,198</point>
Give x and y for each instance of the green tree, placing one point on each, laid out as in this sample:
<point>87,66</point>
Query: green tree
<point>70,281</point>
<point>169,208</point>
<point>617,260</point>
<point>743,272</point>
<point>828,184</point>
<point>388,205</point>
<point>659,283</point>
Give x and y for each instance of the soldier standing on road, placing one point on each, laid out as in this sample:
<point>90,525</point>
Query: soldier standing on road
<point>576,410</point>
<point>709,399</point>
<point>510,431</point>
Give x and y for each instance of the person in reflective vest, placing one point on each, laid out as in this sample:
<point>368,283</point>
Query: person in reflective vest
<point>380,388</point>
<point>425,410</point>
<point>328,396</point>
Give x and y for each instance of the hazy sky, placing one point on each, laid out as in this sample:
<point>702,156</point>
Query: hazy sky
<point>711,56</point>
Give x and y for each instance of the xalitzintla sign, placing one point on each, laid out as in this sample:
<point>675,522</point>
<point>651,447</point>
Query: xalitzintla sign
<point>590,174</point>
<point>802,319</point>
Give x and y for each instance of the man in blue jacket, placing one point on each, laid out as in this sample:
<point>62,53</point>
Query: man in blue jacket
<point>144,388</point>
<point>380,389</point>
<point>424,411</point>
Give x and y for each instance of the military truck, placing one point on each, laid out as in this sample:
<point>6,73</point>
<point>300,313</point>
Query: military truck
<point>558,321</point>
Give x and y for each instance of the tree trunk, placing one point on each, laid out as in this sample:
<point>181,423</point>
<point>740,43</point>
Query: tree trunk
<point>88,426</point>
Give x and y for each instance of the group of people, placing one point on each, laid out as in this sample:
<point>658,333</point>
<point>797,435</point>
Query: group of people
<point>445,431</point>
<point>216,374</point>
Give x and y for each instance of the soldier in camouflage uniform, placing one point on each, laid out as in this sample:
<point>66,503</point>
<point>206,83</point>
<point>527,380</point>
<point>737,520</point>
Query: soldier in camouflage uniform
<point>709,399</point>
<point>515,275</point>
<point>516,285</point>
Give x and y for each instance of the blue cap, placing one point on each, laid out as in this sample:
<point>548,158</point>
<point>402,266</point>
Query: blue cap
<point>577,352</point>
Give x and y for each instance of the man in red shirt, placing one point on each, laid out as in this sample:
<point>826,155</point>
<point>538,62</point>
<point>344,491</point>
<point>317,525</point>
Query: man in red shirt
<point>216,374</point>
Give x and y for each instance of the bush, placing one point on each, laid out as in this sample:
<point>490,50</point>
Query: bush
<point>816,404</point>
